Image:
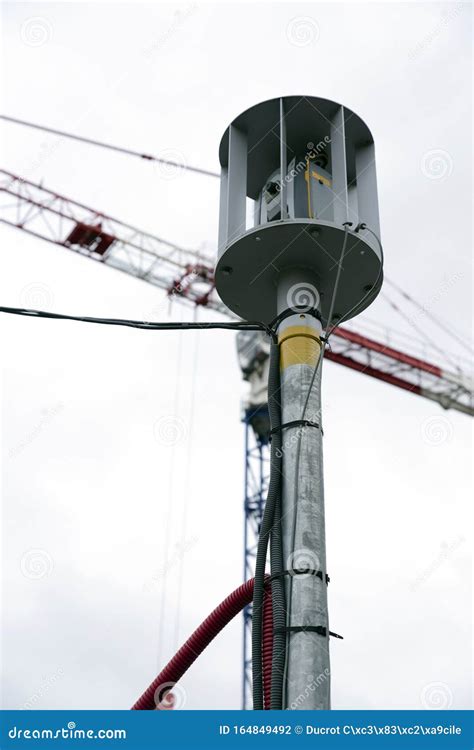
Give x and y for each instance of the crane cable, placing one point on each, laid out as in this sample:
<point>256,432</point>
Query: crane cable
<point>186,493</point>
<point>111,147</point>
<point>395,307</point>
<point>169,510</point>
<point>425,311</point>
<point>422,333</point>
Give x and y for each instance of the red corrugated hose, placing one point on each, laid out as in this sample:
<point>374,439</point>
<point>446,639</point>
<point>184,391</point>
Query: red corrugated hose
<point>202,636</point>
<point>267,646</point>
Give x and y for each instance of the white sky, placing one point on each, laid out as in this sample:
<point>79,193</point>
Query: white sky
<point>85,479</point>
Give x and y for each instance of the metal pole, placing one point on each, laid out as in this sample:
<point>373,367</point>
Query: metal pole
<point>303,527</point>
<point>246,613</point>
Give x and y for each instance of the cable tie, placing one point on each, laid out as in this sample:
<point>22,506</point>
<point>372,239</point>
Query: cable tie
<point>312,311</point>
<point>301,571</point>
<point>319,629</point>
<point>296,423</point>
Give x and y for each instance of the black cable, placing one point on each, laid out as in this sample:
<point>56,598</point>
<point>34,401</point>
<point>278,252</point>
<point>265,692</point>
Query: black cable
<point>273,494</point>
<point>276,569</point>
<point>101,144</point>
<point>144,325</point>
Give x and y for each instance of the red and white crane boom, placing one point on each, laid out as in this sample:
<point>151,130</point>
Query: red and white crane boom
<point>189,275</point>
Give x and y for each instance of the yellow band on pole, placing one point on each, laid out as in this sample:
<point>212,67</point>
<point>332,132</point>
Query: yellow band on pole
<point>299,345</point>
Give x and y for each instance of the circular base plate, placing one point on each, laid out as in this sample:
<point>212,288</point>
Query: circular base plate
<point>248,270</point>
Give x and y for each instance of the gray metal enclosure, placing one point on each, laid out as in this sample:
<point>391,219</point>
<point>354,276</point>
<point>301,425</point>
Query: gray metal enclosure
<point>308,166</point>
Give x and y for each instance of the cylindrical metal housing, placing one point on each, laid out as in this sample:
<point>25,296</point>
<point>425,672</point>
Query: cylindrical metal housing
<point>294,171</point>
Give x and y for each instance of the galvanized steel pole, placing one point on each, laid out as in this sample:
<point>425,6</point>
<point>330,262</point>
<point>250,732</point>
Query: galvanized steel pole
<point>303,526</point>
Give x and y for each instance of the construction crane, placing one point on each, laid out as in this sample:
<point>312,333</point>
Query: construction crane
<point>188,276</point>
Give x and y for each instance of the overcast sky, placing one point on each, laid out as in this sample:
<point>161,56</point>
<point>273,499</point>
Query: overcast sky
<point>103,513</point>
